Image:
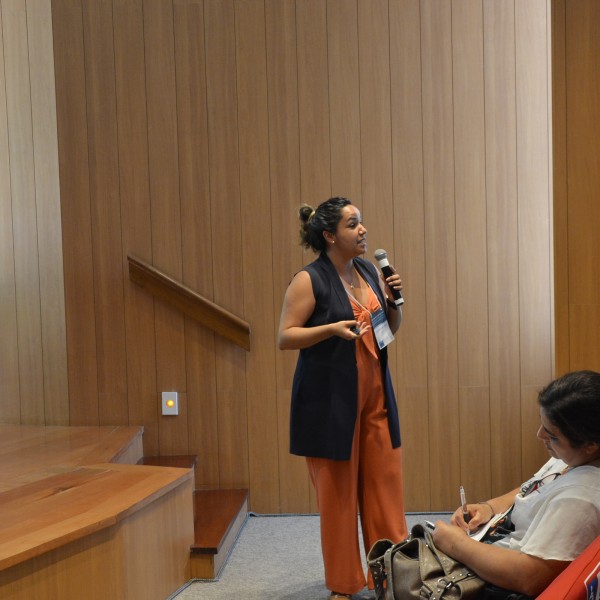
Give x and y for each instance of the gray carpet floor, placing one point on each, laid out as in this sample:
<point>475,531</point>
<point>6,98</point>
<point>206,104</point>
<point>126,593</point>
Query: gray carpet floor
<point>276,558</point>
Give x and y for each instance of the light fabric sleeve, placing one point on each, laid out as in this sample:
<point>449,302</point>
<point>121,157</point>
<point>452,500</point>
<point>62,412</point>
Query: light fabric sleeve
<point>561,529</point>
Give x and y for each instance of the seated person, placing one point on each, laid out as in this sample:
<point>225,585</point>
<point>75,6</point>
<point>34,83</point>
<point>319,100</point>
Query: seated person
<point>556,514</point>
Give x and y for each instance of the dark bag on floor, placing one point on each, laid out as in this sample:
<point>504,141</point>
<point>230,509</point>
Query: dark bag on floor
<point>415,569</point>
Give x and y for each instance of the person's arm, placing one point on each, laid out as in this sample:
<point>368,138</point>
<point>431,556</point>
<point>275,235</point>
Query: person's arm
<point>506,568</point>
<point>298,305</point>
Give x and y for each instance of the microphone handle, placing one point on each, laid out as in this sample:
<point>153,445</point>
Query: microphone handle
<point>387,272</point>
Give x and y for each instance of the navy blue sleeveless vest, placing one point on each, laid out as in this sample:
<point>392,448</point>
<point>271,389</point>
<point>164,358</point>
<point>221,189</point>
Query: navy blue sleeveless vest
<point>325,386</point>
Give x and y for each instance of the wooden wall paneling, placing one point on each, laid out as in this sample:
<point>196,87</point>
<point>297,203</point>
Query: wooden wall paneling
<point>409,227</point>
<point>375,124</point>
<point>227,239</point>
<point>105,211</point>
<point>47,191</point>
<point>313,101</point>
<point>583,162</point>
<point>196,235</point>
<point>440,248</point>
<point>166,214</point>
<point>10,408</point>
<point>534,219</point>
<point>253,123</point>
<point>344,106</point>
<point>559,187</point>
<point>134,188</point>
<point>24,211</point>
<point>164,155</point>
<point>583,151</point>
<point>584,323</point>
<point>67,26</point>
<point>550,159</point>
<point>502,236</point>
<point>471,249</point>
<point>282,84</point>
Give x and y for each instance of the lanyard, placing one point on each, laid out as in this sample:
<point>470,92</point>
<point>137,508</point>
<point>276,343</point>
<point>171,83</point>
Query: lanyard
<point>381,327</point>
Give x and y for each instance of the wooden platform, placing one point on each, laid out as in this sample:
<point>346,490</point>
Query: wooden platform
<point>30,453</point>
<point>75,520</point>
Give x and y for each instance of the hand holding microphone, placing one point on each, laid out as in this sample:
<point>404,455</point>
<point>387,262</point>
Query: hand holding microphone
<point>386,269</point>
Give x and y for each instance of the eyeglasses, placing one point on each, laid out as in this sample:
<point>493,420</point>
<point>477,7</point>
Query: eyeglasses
<point>536,484</point>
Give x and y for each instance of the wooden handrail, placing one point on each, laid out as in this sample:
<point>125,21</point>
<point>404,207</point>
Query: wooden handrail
<point>189,302</point>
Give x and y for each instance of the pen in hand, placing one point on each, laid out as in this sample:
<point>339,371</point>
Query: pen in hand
<point>463,502</point>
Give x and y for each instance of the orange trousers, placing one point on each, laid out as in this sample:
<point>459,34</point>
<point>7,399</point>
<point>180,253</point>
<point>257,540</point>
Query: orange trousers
<point>370,482</point>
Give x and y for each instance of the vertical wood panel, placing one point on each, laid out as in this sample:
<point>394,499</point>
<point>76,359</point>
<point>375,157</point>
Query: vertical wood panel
<point>47,195</point>
<point>502,242</point>
<point>27,275</point>
<point>582,163</point>
<point>584,323</point>
<point>196,233</point>
<point>75,209</point>
<point>105,211</point>
<point>166,215</point>
<point>344,111</point>
<point>10,409</point>
<point>375,124</point>
<point>559,191</point>
<point>227,235</point>
<point>132,147</point>
<point>258,271</point>
<point>440,247</point>
<point>583,151</point>
<point>313,101</point>
<point>409,225</point>
<point>471,251</point>
<point>535,265</point>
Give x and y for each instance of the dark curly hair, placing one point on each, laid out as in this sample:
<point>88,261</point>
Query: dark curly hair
<point>572,403</point>
<point>313,222</point>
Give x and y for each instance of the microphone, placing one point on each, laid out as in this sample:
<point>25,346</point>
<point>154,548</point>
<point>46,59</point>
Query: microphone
<point>384,265</point>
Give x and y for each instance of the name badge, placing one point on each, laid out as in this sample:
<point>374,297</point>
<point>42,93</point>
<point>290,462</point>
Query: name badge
<point>381,328</point>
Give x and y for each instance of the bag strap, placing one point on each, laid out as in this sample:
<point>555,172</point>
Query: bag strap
<point>376,561</point>
<point>444,584</point>
<point>389,572</point>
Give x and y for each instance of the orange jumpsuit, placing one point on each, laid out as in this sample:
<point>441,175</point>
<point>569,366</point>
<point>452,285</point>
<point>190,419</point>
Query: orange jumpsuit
<point>370,482</point>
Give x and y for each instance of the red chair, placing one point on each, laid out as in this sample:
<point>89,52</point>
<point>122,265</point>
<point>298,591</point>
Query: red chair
<point>580,580</point>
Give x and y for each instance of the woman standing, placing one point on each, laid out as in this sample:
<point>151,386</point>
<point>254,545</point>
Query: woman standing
<point>338,312</point>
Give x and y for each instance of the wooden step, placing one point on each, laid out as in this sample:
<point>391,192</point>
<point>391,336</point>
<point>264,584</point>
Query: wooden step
<point>219,517</point>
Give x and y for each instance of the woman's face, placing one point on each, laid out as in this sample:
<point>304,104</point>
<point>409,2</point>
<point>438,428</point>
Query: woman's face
<point>560,447</point>
<point>351,235</point>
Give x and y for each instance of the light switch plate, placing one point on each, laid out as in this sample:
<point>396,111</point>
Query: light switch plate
<point>170,403</point>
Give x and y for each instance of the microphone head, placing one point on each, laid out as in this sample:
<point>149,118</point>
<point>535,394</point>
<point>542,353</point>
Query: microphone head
<point>380,255</point>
